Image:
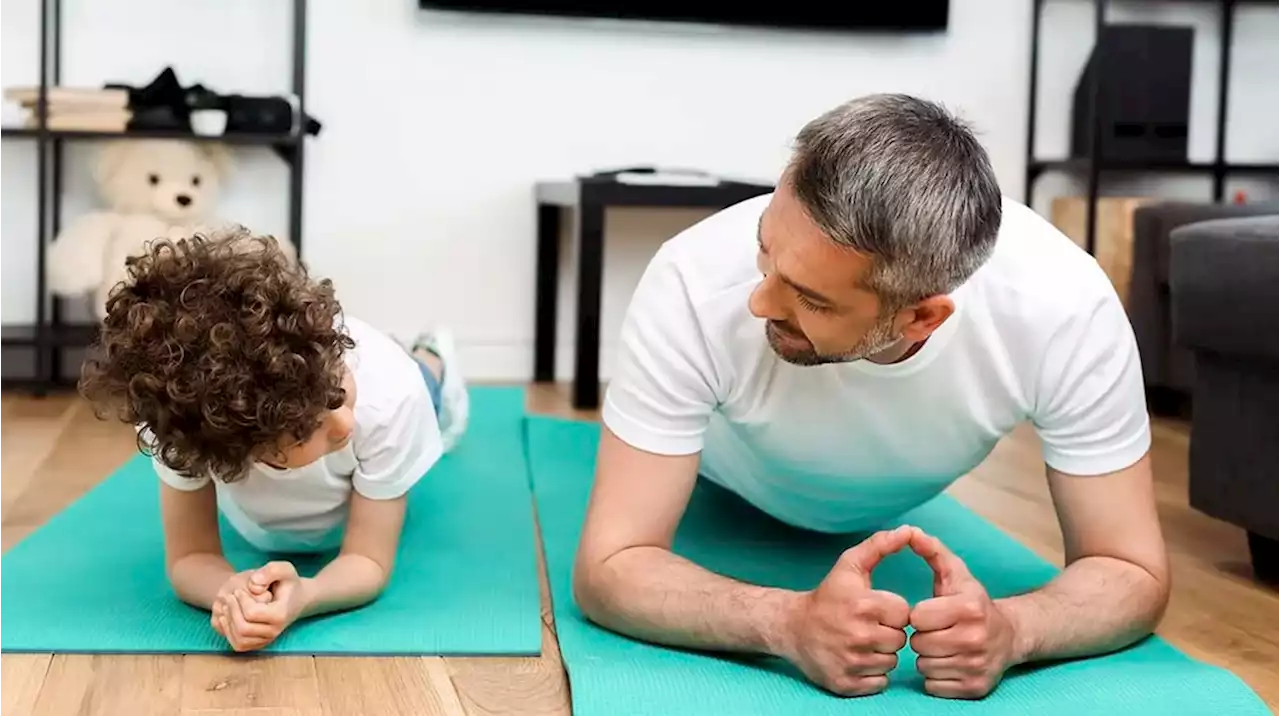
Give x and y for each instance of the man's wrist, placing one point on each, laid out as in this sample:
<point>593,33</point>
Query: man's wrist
<point>1021,637</point>
<point>779,623</point>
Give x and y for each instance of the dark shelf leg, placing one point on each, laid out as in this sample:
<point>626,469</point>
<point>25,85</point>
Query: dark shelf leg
<point>546,286</point>
<point>297,165</point>
<point>55,197</point>
<point>1095,133</point>
<point>1224,74</point>
<point>295,198</point>
<point>43,340</point>
<point>1262,554</point>
<point>1037,6</point>
<point>586,374</point>
<point>55,226</point>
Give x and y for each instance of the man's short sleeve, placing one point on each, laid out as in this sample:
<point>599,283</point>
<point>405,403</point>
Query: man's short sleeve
<point>1091,411</point>
<point>396,444</point>
<point>664,386</point>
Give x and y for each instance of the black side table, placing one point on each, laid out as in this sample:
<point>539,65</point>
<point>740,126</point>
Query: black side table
<point>589,197</point>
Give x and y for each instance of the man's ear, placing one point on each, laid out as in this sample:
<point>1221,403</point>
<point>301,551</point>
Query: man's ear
<point>922,319</point>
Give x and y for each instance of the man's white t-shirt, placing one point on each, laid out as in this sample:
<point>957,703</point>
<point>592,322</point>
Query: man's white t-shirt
<point>1038,335</point>
<point>395,442</point>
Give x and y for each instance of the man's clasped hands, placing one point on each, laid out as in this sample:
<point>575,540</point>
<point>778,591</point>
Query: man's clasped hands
<point>845,636</point>
<point>255,606</point>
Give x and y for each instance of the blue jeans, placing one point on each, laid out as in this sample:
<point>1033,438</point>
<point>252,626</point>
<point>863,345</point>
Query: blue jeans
<point>433,385</point>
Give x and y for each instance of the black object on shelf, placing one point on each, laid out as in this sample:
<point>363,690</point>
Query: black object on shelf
<point>50,336</point>
<point>1151,112</point>
<point>1143,94</point>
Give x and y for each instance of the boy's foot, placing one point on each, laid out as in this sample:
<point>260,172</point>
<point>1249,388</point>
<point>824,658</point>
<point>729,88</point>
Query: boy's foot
<point>454,401</point>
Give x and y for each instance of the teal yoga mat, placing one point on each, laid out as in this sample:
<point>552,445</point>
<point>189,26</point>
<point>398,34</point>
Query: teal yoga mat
<point>92,579</point>
<point>610,674</point>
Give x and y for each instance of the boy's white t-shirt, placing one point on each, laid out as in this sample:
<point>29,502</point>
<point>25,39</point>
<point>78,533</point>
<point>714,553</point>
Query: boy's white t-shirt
<point>1038,335</point>
<point>395,442</point>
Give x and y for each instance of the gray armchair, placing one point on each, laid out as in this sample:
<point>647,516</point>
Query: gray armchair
<point>1167,368</point>
<point>1224,286</point>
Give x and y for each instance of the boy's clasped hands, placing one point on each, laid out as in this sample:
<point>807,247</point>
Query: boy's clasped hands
<point>255,606</point>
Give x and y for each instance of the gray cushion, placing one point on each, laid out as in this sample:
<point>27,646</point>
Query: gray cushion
<point>1225,285</point>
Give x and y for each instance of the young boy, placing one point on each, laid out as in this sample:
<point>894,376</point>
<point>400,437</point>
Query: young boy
<point>258,399</point>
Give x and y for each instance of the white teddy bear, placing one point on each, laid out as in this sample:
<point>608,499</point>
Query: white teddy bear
<point>154,188</point>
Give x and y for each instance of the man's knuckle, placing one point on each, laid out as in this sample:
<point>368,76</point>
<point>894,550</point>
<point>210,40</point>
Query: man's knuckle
<point>974,640</point>
<point>853,660</point>
<point>862,605</point>
<point>848,685</point>
<point>858,633</point>
<point>976,686</point>
<point>972,609</point>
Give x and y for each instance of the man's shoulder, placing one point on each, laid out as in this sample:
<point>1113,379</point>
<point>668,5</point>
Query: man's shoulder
<point>1037,275</point>
<point>717,252</point>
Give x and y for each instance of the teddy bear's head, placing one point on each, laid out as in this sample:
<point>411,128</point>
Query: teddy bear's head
<point>171,179</point>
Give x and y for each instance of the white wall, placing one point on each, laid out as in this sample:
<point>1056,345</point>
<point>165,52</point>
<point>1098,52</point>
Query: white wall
<point>436,127</point>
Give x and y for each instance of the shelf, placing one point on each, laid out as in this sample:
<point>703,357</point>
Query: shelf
<point>1211,2</point>
<point>62,336</point>
<point>1082,164</point>
<point>276,140</point>
<point>48,339</point>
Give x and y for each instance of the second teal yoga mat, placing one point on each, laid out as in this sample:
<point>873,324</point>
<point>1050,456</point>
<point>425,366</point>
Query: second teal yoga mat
<point>617,676</point>
<point>92,579</point>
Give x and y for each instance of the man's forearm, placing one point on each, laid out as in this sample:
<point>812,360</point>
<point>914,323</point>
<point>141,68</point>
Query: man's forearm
<point>652,594</point>
<point>1096,605</point>
<point>350,580</point>
<point>196,578</point>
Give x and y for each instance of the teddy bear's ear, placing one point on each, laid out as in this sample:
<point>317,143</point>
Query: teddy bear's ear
<point>110,158</point>
<point>220,156</point>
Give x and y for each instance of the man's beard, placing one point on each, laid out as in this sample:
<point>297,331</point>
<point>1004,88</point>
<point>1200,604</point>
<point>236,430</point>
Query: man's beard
<point>793,348</point>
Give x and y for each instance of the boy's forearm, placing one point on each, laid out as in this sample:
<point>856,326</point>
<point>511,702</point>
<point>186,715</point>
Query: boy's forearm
<point>196,578</point>
<point>350,580</point>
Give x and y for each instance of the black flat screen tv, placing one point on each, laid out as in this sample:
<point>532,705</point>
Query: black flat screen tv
<point>892,16</point>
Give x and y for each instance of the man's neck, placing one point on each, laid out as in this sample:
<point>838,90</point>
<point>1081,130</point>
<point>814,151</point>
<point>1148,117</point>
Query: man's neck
<point>897,353</point>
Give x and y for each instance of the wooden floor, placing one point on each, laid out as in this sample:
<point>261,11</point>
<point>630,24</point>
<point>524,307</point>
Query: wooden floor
<point>54,449</point>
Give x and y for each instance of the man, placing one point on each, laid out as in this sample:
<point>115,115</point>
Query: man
<point>839,352</point>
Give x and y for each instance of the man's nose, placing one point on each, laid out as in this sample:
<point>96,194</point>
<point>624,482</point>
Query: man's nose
<point>763,302</point>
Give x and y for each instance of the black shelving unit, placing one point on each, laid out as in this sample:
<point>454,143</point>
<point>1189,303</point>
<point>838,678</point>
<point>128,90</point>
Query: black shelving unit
<point>1093,166</point>
<point>50,336</point>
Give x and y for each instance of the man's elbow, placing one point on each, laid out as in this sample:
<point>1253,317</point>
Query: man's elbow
<point>583,587</point>
<point>1160,600</point>
<point>590,587</point>
<point>1151,588</point>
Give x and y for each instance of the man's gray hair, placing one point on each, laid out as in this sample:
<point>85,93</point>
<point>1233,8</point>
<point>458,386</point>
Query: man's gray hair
<point>901,179</point>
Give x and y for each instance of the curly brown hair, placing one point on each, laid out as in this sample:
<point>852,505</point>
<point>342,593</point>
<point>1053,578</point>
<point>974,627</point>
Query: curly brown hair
<point>216,347</point>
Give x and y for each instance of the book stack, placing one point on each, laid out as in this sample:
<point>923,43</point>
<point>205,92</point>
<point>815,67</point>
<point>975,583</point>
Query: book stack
<point>75,109</point>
